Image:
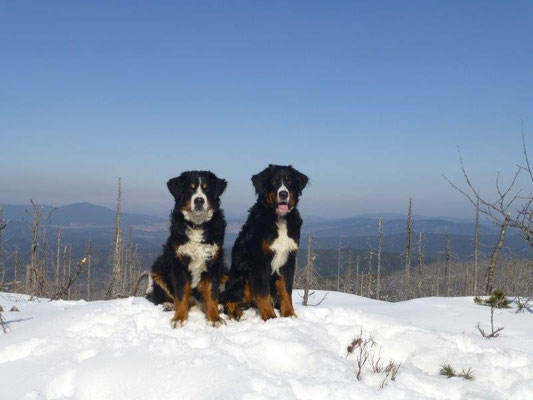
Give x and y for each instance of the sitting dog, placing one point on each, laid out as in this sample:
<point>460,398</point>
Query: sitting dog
<point>192,262</point>
<point>264,254</point>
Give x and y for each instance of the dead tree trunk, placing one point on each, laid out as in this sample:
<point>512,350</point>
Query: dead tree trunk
<point>357,276</point>
<point>43,264</point>
<point>65,253</point>
<point>89,270</point>
<point>308,270</point>
<point>130,282</point>
<point>348,275</point>
<point>378,267</point>
<point>58,258</point>
<point>420,263</point>
<point>362,283</point>
<point>447,265</point>
<point>16,266</point>
<point>34,259</point>
<point>339,267</point>
<point>495,254</point>
<point>369,272</point>
<point>117,247</point>
<point>437,285</point>
<point>408,250</point>
<point>476,250</point>
<point>69,271</point>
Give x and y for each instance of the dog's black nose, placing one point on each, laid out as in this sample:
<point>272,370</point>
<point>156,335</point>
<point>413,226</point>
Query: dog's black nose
<point>199,202</point>
<point>283,195</point>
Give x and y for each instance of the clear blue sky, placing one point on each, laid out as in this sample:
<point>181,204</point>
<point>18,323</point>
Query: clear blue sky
<point>370,99</point>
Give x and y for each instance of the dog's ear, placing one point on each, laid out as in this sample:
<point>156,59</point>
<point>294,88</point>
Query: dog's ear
<point>218,183</point>
<point>175,185</point>
<point>260,180</point>
<point>300,179</point>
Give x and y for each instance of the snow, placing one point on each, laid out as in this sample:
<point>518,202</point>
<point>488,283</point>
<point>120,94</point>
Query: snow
<point>125,349</point>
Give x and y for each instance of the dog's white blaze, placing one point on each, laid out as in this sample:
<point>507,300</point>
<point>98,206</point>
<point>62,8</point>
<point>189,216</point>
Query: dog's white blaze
<point>198,217</point>
<point>199,194</point>
<point>281,246</point>
<point>281,188</point>
<point>198,252</point>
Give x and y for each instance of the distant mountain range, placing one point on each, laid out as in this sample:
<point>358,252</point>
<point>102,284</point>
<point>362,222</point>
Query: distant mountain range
<point>80,215</point>
<point>83,221</point>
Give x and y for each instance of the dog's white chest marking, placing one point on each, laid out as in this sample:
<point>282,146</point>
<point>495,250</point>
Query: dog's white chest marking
<point>198,252</point>
<point>281,247</point>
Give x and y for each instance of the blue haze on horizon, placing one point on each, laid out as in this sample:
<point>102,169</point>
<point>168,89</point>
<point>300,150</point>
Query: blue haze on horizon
<point>370,99</point>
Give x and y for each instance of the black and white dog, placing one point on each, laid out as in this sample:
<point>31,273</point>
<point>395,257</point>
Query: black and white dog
<point>264,254</point>
<point>192,262</point>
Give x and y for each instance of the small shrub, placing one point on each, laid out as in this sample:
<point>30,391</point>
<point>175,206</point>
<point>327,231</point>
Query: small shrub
<point>467,374</point>
<point>365,352</point>
<point>496,300</point>
<point>448,371</point>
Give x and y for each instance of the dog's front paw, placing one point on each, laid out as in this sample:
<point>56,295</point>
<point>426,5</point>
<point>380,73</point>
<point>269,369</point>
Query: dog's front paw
<point>217,323</point>
<point>289,314</point>
<point>168,306</point>
<point>177,323</point>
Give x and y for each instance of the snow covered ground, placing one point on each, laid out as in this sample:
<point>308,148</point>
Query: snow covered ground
<point>125,349</point>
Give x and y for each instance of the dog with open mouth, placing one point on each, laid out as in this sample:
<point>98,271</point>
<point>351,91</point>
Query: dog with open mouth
<point>192,263</point>
<point>264,254</point>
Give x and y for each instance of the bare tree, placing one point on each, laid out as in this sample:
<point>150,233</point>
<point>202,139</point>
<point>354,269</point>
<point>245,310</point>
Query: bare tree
<point>476,250</point>
<point>89,270</point>
<point>131,262</point>
<point>510,203</point>
<point>310,275</point>
<point>437,280</point>
<point>308,269</point>
<point>357,276</point>
<point>65,256</point>
<point>16,266</point>
<point>369,272</point>
<point>494,257</point>
<point>68,262</point>
<point>448,254</point>
<point>348,274</point>
<point>409,233</point>
<point>378,267</point>
<point>67,288</point>
<point>339,267</point>
<point>37,212</point>
<point>420,263</point>
<point>117,247</point>
<point>58,258</point>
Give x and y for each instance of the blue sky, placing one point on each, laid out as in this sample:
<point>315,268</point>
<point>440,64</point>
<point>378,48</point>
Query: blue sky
<point>370,99</point>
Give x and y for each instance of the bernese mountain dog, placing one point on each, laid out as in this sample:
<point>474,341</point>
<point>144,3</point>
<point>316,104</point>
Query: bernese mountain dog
<point>264,254</point>
<point>192,263</point>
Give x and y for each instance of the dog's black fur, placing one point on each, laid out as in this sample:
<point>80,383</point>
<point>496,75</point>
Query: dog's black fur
<point>171,272</point>
<point>252,278</point>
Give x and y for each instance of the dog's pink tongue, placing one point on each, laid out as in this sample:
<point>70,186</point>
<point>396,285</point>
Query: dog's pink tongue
<point>283,208</point>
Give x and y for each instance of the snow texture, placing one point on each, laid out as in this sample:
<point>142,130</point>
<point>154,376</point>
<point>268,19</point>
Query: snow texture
<point>125,349</point>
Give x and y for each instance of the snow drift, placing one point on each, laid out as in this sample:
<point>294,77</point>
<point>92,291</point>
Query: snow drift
<point>125,349</point>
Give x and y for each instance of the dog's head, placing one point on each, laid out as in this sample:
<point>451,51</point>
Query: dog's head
<point>279,187</point>
<point>197,194</point>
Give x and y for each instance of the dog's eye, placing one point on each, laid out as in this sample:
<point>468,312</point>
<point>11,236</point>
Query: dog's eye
<point>275,180</point>
<point>193,185</point>
<point>204,185</point>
